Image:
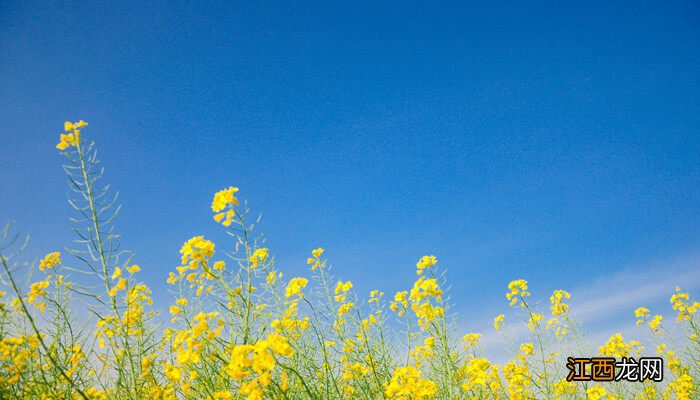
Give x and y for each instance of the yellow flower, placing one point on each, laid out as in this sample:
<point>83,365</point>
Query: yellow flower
<point>133,269</point>
<point>172,278</point>
<point>195,252</point>
<point>564,388</point>
<point>407,383</point>
<point>272,277</point>
<point>284,385</point>
<point>375,296</point>
<point>341,287</point>
<point>67,141</point>
<point>527,349</point>
<point>616,347</point>
<point>681,303</point>
<point>477,373</point>
<point>534,321</point>
<point>557,306</point>
<point>222,199</point>
<point>259,256</point>
<point>315,261</point>
<point>683,387</point>
<point>50,261</point>
<point>344,309</point>
<point>256,361</point>
<point>472,339</point>
<point>425,288</point>
<point>655,322</point>
<point>399,299</point>
<point>424,263</point>
<point>641,312</point>
<point>121,285</point>
<point>68,126</point>
<point>294,287</point>
<point>37,289</point>
<point>518,290</point>
<point>498,322</point>
<point>596,392</point>
<point>72,138</point>
<point>173,373</point>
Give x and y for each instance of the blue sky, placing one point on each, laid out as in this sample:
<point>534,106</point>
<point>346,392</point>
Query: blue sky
<point>543,141</point>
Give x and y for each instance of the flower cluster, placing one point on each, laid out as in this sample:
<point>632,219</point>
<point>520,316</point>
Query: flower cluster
<point>72,138</point>
<point>681,302</point>
<point>424,263</point>
<point>223,199</point>
<point>253,365</point>
<point>407,383</point>
<point>50,261</point>
<point>518,292</point>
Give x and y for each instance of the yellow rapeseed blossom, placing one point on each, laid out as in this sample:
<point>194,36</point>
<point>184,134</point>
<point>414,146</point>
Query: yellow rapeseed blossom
<point>72,138</point>
<point>641,312</point>
<point>519,379</point>
<point>558,306</point>
<point>341,290</point>
<point>400,304</point>
<point>315,260</point>
<point>375,296</point>
<point>51,260</point>
<point>424,263</point>
<point>655,323</point>
<point>120,285</point>
<point>195,252</point>
<point>498,322</point>
<point>259,257</point>
<point>223,199</point>
<point>518,291</point>
<point>616,347</point>
<point>527,349</point>
<point>681,302</point>
<point>477,373</point>
<point>596,392</point>
<point>294,287</point>
<point>564,389</point>
<point>406,383</point>
<point>471,340</point>
<point>534,321</point>
<point>36,291</point>
<point>682,387</point>
<point>253,364</point>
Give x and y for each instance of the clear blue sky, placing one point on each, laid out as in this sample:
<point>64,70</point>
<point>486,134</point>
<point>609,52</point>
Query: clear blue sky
<point>542,141</point>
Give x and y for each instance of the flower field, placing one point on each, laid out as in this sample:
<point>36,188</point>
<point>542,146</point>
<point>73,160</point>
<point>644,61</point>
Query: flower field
<point>238,329</point>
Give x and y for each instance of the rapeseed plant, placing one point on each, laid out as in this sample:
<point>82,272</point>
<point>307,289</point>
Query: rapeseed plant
<point>238,330</point>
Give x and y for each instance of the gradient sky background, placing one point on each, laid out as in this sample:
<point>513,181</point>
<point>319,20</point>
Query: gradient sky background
<point>544,141</point>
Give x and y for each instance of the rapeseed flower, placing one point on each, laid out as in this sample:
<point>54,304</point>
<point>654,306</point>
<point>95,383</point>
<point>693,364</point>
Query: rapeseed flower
<point>225,198</point>
<point>50,261</point>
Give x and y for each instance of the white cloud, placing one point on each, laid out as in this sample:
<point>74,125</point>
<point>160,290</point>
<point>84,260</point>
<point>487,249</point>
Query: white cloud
<point>605,306</point>
<point>634,287</point>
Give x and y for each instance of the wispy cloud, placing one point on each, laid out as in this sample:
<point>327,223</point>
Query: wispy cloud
<point>605,305</point>
<point>635,287</point>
